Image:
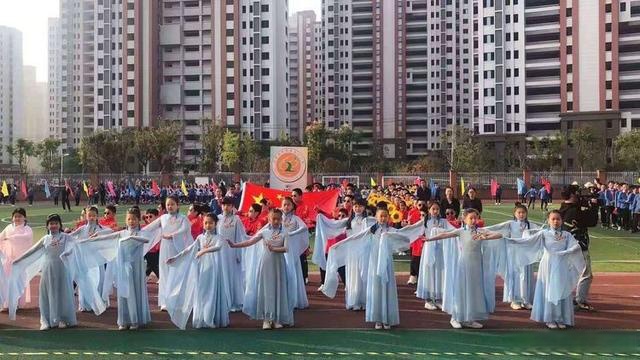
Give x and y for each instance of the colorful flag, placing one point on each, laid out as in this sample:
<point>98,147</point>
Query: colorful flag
<point>522,187</point>
<point>111,189</point>
<point>462,187</point>
<point>373,183</point>
<point>47,191</point>
<point>494,187</point>
<point>325,200</point>
<point>184,189</point>
<point>433,187</point>
<point>155,188</point>
<point>85,187</point>
<point>23,189</point>
<point>5,189</point>
<point>546,183</point>
<point>67,186</point>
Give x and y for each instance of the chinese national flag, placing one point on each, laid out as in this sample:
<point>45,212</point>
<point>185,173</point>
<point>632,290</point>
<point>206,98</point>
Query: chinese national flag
<point>325,200</point>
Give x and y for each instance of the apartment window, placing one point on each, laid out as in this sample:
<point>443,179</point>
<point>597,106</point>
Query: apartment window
<point>569,49</point>
<point>266,119</point>
<point>264,24</point>
<point>607,46</point>
<point>608,65</point>
<point>264,8</point>
<point>265,56</point>
<point>609,104</point>
<point>569,31</point>
<point>607,27</point>
<point>570,105</point>
<point>568,12</point>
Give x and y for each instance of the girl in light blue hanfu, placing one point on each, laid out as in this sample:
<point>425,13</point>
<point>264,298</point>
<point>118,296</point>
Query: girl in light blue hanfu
<point>468,292</point>
<point>125,251</point>
<point>561,263</point>
<point>267,297</point>
<point>57,306</point>
<point>383,241</point>
<point>298,238</point>
<point>199,281</point>
<point>90,229</point>
<point>355,264</point>
<point>430,276</point>
<point>519,281</point>
<point>230,228</point>
<point>176,236</point>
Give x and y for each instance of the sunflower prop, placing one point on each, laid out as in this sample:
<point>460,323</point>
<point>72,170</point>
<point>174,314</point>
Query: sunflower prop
<point>396,216</point>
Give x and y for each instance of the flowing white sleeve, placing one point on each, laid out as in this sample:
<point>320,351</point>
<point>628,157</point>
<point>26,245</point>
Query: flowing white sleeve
<point>298,240</point>
<point>527,250</point>
<point>23,270</point>
<point>337,257</point>
<point>325,229</point>
<point>182,283</point>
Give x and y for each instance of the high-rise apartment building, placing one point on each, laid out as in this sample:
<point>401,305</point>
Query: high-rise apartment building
<point>302,71</point>
<point>11,94</point>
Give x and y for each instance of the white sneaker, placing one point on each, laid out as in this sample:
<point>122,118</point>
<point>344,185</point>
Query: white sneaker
<point>277,326</point>
<point>378,326</point>
<point>412,280</point>
<point>356,308</point>
<point>455,324</point>
<point>321,288</point>
<point>122,328</point>
<point>439,306</point>
<point>44,327</point>
<point>430,306</point>
<point>62,325</point>
<point>552,325</point>
<point>163,308</point>
<point>561,326</point>
<point>473,325</point>
<point>516,306</point>
<point>266,325</point>
<point>527,306</point>
<point>386,326</point>
<point>133,327</point>
<point>306,281</point>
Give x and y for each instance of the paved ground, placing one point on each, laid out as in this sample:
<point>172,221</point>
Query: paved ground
<point>615,296</point>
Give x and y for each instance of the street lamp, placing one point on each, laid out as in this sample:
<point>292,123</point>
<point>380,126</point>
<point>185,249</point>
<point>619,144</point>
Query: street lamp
<point>62,156</point>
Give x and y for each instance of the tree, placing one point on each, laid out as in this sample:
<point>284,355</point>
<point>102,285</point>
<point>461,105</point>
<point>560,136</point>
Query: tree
<point>211,138</point>
<point>588,148</point>
<point>463,151</point>
<point>162,145</point>
<point>48,153</point>
<point>544,152</point>
<point>316,137</point>
<point>230,151</point>
<point>345,139</point>
<point>90,152</point>
<point>250,153</point>
<point>21,151</point>
<point>627,150</point>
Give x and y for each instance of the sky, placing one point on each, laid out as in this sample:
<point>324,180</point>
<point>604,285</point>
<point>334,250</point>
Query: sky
<point>30,17</point>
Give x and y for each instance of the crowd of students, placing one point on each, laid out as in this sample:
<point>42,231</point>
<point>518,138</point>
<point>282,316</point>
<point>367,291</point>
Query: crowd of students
<point>215,260</point>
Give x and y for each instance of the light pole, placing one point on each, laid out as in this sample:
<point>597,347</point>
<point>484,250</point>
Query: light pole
<point>62,156</point>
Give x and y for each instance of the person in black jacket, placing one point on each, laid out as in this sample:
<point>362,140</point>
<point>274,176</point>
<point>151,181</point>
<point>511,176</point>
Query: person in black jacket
<point>66,193</point>
<point>470,200</point>
<point>449,202</point>
<point>423,192</point>
<point>578,215</point>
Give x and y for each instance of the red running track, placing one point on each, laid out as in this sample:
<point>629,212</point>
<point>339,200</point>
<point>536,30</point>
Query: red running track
<point>616,297</point>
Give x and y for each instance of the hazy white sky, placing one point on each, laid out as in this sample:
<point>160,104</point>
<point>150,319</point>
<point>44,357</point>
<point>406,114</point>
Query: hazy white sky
<point>30,17</point>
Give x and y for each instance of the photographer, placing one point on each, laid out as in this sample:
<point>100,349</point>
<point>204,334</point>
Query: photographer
<point>579,213</point>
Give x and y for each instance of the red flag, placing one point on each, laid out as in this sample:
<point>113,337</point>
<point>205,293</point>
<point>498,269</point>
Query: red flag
<point>416,181</point>
<point>67,186</point>
<point>155,188</point>
<point>325,200</point>
<point>547,184</point>
<point>494,187</point>
<point>23,189</point>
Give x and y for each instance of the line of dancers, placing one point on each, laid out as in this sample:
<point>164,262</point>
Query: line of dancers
<point>224,270</point>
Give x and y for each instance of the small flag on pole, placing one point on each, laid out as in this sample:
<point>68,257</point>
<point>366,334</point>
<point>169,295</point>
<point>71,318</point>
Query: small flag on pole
<point>184,189</point>
<point>373,183</point>
<point>47,191</point>
<point>462,187</point>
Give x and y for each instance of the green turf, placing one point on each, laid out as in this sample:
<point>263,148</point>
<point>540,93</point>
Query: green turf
<point>321,344</point>
<point>611,250</point>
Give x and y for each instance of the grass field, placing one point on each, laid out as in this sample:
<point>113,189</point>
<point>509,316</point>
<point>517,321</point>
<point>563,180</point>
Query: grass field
<point>319,344</point>
<point>611,250</point>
